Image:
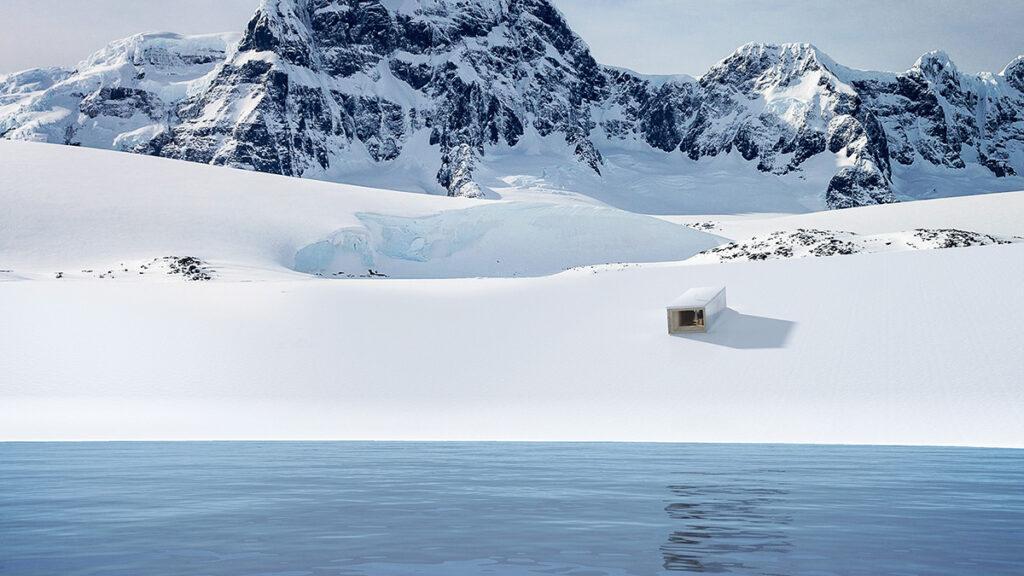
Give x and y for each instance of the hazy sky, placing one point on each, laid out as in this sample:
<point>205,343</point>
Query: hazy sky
<point>652,36</point>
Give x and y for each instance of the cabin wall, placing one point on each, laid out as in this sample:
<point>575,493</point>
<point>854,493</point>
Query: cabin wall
<point>714,308</point>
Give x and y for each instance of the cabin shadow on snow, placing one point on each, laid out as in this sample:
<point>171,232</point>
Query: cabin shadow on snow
<point>745,332</point>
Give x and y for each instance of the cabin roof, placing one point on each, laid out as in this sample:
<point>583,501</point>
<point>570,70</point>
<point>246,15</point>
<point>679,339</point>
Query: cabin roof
<point>696,297</point>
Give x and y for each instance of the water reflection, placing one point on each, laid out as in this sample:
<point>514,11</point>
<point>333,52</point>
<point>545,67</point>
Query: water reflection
<point>725,527</point>
<point>440,509</point>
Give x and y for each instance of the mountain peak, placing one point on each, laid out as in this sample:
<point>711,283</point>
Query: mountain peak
<point>935,64</point>
<point>470,73</point>
<point>783,51</point>
<point>349,36</point>
<point>161,50</point>
<point>761,64</point>
<point>1014,72</point>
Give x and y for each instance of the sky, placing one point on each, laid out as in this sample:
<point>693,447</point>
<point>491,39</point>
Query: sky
<point>650,36</point>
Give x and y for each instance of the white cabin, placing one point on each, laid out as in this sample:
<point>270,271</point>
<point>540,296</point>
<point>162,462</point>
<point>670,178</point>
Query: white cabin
<point>696,309</point>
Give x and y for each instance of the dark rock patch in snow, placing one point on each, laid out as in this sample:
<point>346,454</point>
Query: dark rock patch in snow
<point>703,226</point>
<point>953,238</point>
<point>190,268</point>
<point>809,242</point>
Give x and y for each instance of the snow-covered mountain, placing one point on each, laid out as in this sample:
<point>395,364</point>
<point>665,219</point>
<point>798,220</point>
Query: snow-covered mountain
<point>121,97</point>
<point>427,94</point>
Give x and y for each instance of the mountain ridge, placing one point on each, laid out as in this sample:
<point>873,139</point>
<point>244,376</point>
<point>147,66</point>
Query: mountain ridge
<point>327,88</point>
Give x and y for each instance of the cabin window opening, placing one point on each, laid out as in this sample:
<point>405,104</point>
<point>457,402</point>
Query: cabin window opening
<point>690,318</point>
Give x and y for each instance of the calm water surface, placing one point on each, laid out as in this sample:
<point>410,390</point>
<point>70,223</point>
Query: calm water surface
<point>293,509</point>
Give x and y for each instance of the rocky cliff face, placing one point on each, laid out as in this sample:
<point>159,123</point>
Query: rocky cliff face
<point>322,79</point>
<point>314,88</point>
<point>936,114</point>
<point>776,106</point>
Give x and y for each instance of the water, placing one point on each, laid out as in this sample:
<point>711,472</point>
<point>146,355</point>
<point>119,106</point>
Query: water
<point>294,509</point>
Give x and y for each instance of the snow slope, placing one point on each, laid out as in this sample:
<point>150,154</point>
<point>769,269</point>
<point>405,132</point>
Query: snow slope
<point>104,211</point>
<point>917,347</point>
<point>995,214</point>
<point>900,348</point>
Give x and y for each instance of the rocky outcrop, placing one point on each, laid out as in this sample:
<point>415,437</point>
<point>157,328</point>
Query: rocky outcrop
<point>813,243</point>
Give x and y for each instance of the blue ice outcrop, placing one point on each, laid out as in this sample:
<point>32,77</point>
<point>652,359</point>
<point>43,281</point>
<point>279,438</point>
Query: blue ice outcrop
<point>498,240</point>
<point>347,251</point>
